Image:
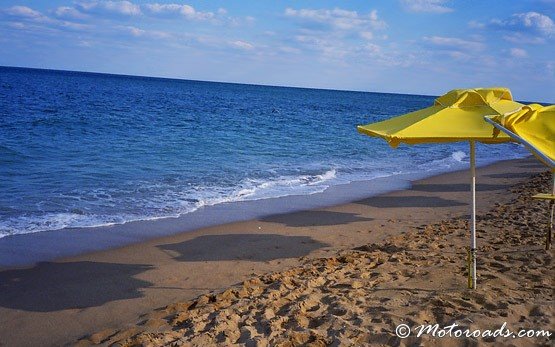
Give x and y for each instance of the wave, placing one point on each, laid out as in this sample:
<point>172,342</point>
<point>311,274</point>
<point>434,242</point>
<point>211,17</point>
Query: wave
<point>456,160</point>
<point>171,198</point>
<point>166,204</point>
<point>255,189</point>
<point>52,221</point>
<point>459,156</point>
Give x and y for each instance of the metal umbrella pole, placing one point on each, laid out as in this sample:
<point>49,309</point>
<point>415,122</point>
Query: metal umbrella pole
<point>472,252</point>
<point>552,205</point>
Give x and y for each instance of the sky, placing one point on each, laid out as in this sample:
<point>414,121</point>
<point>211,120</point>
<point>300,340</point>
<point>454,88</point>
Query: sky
<point>400,46</point>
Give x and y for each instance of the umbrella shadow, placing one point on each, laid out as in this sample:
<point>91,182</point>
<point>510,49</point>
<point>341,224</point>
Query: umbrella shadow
<point>49,287</point>
<point>251,247</point>
<point>532,166</point>
<point>315,218</point>
<point>409,201</point>
<point>440,188</point>
<point>510,175</point>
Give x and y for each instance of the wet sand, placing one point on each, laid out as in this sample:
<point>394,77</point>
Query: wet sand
<point>343,274</point>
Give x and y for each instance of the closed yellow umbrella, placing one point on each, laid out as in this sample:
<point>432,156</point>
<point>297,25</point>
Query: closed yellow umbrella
<point>455,116</point>
<point>534,127</point>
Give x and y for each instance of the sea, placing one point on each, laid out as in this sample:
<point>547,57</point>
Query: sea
<point>88,149</point>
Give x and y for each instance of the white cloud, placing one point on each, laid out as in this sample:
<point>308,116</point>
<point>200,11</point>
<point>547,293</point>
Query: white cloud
<point>122,7</point>
<point>337,18</point>
<point>458,55</point>
<point>366,35</point>
<point>16,25</point>
<point>535,20</point>
<point>340,36</point>
<point>153,34</point>
<point>521,28</point>
<point>453,42</point>
<point>28,15</point>
<point>23,12</point>
<point>429,6</point>
<point>83,43</point>
<point>167,8</point>
<point>476,25</point>
<point>520,38</point>
<point>174,10</point>
<point>241,45</point>
<point>518,53</point>
<point>68,13</point>
<point>330,48</point>
<point>371,48</point>
<point>287,49</point>
<point>186,11</point>
<point>529,23</point>
<point>335,49</point>
<point>135,31</point>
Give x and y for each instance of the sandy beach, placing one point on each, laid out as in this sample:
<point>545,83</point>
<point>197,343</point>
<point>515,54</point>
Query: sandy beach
<point>342,275</point>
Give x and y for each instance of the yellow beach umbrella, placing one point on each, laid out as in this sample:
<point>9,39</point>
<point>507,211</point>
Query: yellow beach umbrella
<point>455,116</point>
<point>534,127</point>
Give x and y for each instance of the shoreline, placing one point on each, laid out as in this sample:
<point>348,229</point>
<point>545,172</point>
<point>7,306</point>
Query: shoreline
<point>23,250</point>
<point>108,289</point>
<point>27,249</point>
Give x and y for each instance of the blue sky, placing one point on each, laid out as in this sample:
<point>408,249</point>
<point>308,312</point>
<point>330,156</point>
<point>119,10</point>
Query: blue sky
<point>420,46</point>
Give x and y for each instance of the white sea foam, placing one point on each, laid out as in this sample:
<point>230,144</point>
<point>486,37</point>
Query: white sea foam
<point>459,156</point>
<point>452,162</point>
<point>255,189</point>
<point>164,201</point>
<point>158,200</point>
<point>54,221</point>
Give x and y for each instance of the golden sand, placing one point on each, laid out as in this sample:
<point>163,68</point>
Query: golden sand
<point>359,296</point>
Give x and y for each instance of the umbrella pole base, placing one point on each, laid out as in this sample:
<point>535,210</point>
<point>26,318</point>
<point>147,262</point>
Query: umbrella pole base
<point>472,268</point>
<point>550,229</point>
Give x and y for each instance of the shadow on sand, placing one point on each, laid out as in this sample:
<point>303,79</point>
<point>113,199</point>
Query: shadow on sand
<point>510,175</point>
<point>409,201</point>
<point>251,247</point>
<point>315,218</point>
<point>459,187</point>
<point>532,166</point>
<point>51,287</point>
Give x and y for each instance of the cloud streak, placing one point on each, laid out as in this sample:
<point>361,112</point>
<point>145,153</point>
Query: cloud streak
<point>186,11</point>
<point>26,15</point>
<point>529,21</point>
<point>124,7</point>
<point>426,6</point>
<point>518,53</point>
<point>23,12</point>
<point>454,43</point>
<point>337,18</point>
<point>521,28</point>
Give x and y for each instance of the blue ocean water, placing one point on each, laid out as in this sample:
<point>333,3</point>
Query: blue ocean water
<point>82,149</point>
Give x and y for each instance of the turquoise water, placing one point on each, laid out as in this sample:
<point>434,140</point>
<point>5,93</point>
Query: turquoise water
<point>81,149</point>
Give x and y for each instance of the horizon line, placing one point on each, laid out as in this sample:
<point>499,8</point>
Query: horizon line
<point>209,81</point>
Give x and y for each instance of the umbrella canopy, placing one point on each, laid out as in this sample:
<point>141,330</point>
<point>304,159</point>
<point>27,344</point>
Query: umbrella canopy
<point>455,116</point>
<point>534,126</point>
